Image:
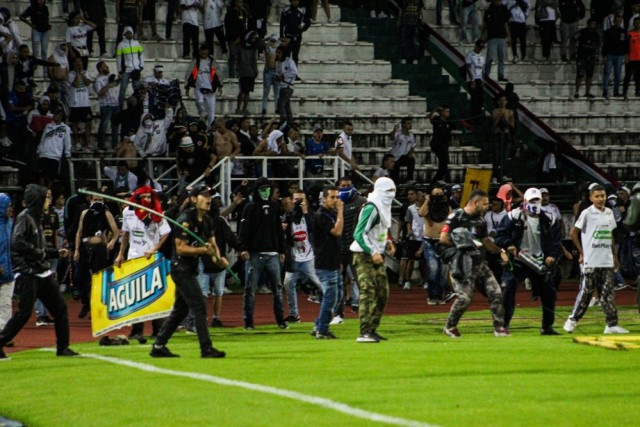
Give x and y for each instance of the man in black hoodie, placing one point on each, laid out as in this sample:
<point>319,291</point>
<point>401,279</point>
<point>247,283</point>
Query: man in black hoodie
<point>262,245</point>
<point>35,280</point>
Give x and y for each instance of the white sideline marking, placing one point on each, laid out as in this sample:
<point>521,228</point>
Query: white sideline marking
<point>314,400</point>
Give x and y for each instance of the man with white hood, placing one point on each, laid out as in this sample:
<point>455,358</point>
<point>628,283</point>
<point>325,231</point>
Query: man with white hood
<point>151,138</point>
<point>535,234</point>
<point>371,239</point>
<point>130,62</point>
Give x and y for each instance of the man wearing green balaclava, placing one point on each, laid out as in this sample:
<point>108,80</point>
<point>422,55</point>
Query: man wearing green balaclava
<point>262,246</point>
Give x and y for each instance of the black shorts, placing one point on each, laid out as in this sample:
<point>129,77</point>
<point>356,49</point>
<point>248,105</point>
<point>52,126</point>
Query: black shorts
<point>414,246</point>
<point>585,67</point>
<point>149,11</point>
<point>82,114</point>
<point>247,84</point>
<point>48,167</point>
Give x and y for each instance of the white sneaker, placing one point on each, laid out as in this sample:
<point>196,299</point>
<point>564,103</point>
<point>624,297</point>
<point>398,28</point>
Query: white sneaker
<point>383,15</point>
<point>407,286</point>
<point>570,325</point>
<point>331,21</point>
<point>263,290</point>
<point>425,285</point>
<point>527,284</point>
<point>594,302</point>
<point>373,14</point>
<point>615,330</point>
<point>227,291</point>
<point>337,320</point>
<point>6,142</point>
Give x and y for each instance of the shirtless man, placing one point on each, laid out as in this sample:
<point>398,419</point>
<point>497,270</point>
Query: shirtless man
<point>225,142</point>
<point>435,211</point>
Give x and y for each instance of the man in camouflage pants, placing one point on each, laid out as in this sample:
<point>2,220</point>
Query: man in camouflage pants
<point>471,217</point>
<point>592,235</point>
<point>370,240</point>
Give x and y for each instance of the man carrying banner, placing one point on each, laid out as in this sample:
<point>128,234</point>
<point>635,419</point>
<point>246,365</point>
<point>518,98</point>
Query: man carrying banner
<point>184,271</point>
<point>34,278</point>
<point>145,234</point>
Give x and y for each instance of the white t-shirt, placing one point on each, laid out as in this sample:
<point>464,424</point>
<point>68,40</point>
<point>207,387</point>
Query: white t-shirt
<point>493,221</point>
<point>346,144</point>
<point>213,13</point>
<point>79,96</point>
<point>381,173</point>
<point>531,236</point>
<point>77,36</point>
<point>301,250</point>
<point>204,74</point>
<point>130,180</point>
<point>141,237</point>
<point>190,16</point>
<point>552,210</point>
<point>596,232</point>
<point>417,222</point>
<point>476,61</point>
<point>402,144</point>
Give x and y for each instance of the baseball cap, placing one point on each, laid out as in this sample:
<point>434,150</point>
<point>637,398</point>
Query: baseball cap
<point>216,195</point>
<point>612,196</point>
<point>273,37</point>
<point>456,187</point>
<point>625,189</point>
<point>200,190</point>
<point>532,193</point>
<point>318,128</point>
<point>544,191</point>
<point>186,142</point>
<point>158,67</point>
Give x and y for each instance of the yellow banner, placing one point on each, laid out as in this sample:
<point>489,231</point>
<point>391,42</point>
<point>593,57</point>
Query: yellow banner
<point>140,290</point>
<point>475,179</point>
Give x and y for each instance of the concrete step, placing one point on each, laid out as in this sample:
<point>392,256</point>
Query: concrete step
<point>600,137</point>
<point>318,32</point>
<point>424,173</point>
<point>323,51</point>
<point>457,155</point>
<point>611,153</point>
<point>541,88</point>
<point>55,10</point>
<point>581,105</point>
<point>625,121</point>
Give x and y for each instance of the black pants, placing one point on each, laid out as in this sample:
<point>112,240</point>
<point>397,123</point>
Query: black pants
<point>93,258</point>
<point>29,288</point>
<point>518,33</point>
<point>138,328</point>
<point>101,39</point>
<point>547,37</point>
<point>477,99</point>
<point>190,33</point>
<point>409,162</point>
<point>631,68</point>
<point>541,285</point>
<point>188,297</point>
<point>296,41</point>
<point>441,150</point>
<point>219,32</point>
<point>172,7</point>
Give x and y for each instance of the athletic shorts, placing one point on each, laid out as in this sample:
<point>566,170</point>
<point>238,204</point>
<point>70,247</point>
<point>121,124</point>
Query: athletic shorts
<point>414,246</point>
<point>82,114</point>
<point>149,11</point>
<point>585,67</point>
<point>247,84</point>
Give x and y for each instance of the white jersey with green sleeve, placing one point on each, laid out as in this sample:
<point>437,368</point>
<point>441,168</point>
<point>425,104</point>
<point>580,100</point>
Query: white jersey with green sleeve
<point>596,231</point>
<point>369,235</point>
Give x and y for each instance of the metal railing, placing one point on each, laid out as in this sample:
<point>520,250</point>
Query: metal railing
<point>149,163</point>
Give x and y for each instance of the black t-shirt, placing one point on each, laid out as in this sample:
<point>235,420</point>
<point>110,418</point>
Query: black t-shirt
<point>476,225</point>
<point>39,17</point>
<point>495,18</point>
<point>327,246</point>
<point>50,224</point>
<point>441,130</point>
<point>203,229</point>
<point>588,42</point>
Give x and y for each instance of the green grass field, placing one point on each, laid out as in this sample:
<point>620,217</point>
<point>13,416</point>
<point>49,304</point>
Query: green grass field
<point>418,375</point>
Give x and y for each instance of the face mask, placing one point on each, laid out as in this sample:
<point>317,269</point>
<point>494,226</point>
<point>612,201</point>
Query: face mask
<point>264,193</point>
<point>612,202</point>
<point>534,208</point>
<point>347,193</point>
<point>148,122</point>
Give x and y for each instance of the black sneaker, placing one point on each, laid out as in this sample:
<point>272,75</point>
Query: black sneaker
<point>327,336</point>
<point>44,321</point>
<point>292,319</point>
<point>191,330</point>
<point>548,331</point>
<point>75,294</point>
<point>378,336</point>
<point>248,326</point>
<point>216,323</point>
<point>314,332</point>
<point>3,356</point>
<point>212,353</point>
<point>138,337</point>
<point>283,325</point>
<point>161,351</point>
<point>67,352</point>
<point>355,308</point>
<point>83,312</point>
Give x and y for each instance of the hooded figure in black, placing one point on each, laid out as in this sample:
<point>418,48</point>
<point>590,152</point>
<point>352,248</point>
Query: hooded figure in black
<point>262,245</point>
<point>35,280</point>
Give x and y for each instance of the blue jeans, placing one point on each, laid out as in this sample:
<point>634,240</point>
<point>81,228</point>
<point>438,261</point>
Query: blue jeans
<point>496,49</point>
<point>615,62</point>
<point>452,10</point>
<point>269,80</point>
<point>300,270</point>
<point>106,114</point>
<point>329,280</point>
<point>123,87</point>
<point>436,280</point>
<point>43,38</point>
<point>270,265</point>
<point>465,14</point>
